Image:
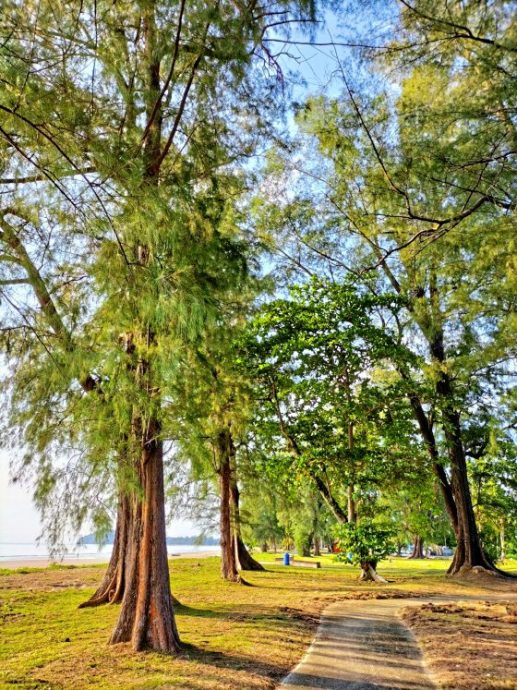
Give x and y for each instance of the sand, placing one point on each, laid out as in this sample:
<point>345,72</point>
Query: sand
<point>44,562</point>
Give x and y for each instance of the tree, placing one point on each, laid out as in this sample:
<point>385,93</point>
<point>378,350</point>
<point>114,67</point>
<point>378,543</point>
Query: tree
<point>376,195</point>
<point>332,407</point>
<point>138,141</point>
<point>367,544</point>
<point>322,411</point>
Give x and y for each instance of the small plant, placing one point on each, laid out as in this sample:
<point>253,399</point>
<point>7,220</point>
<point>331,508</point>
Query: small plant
<point>365,545</point>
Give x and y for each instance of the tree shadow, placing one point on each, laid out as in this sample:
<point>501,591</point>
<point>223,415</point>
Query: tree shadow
<point>247,614</point>
<point>226,661</point>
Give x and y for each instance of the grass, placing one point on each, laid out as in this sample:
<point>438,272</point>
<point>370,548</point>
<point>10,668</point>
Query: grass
<point>234,636</point>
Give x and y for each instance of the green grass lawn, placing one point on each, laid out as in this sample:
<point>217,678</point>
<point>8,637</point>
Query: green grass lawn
<point>234,636</point>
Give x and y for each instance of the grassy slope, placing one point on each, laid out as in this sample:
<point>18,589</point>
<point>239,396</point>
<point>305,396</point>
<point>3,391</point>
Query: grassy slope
<point>235,636</point>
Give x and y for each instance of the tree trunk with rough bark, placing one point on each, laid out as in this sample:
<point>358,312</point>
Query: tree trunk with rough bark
<point>458,501</point>
<point>147,615</point>
<point>225,452</point>
<point>111,590</point>
<point>456,492</point>
<point>330,500</point>
<point>244,559</point>
<point>471,553</point>
<point>418,547</point>
<point>370,574</point>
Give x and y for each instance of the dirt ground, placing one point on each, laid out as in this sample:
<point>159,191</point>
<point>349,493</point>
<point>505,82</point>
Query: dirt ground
<point>468,645</point>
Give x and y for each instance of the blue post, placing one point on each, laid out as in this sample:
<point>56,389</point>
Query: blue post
<point>286,558</point>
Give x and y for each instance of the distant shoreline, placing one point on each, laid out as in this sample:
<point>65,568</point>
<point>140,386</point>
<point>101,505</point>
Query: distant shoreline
<point>44,561</point>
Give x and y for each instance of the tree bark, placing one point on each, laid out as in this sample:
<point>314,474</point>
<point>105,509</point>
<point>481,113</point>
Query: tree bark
<point>427,433</point>
<point>370,574</point>
<point>458,500</point>
<point>502,540</point>
<point>329,499</point>
<point>111,590</point>
<point>456,493</point>
<point>418,547</point>
<point>147,616</point>
<point>471,552</point>
<point>228,551</point>
<point>243,558</point>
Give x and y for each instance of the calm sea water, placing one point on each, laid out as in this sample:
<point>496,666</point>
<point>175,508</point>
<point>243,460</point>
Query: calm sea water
<point>32,551</point>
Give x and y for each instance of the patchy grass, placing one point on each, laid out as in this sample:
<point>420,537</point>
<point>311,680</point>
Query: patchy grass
<point>468,646</point>
<point>234,636</point>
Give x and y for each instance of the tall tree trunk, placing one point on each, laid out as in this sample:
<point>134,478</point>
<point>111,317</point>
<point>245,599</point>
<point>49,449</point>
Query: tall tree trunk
<point>427,433</point>
<point>228,552</point>
<point>111,590</point>
<point>243,558</point>
<point>458,500</point>
<point>317,545</point>
<point>471,551</point>
<point>147,616</point>
<point>418,547</point>
<point>466,533</point>
<point>455,493</point>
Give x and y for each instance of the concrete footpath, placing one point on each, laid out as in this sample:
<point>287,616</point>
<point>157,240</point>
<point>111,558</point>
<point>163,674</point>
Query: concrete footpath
<point>362,645</point>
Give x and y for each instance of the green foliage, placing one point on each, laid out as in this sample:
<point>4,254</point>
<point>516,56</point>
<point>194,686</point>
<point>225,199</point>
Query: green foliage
<point>123,234</point>
<point>131,250</point>
<point>409,191</point>
<point>366,542</point>
<point>332,406</point>
<point>302,541</point>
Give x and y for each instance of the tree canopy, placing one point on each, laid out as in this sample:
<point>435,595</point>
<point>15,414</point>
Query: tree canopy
<point>301,299</point>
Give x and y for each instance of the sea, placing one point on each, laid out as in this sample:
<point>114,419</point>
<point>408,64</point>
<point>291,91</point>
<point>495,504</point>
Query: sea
<point>94,552</point>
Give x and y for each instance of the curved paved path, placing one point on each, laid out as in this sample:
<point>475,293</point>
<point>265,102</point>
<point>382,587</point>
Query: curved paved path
<point>362,645</point>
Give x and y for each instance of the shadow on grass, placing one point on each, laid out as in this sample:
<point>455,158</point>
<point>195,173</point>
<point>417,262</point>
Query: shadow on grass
<point>282,614</point>
<point>222,660</point>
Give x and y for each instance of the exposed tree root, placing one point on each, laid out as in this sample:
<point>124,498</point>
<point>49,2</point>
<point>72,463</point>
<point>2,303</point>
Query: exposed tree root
<point>369,574</point>
<point>480,571</point>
